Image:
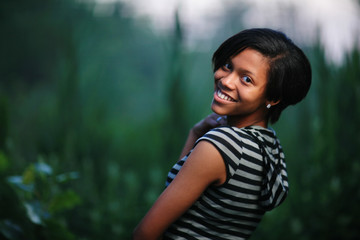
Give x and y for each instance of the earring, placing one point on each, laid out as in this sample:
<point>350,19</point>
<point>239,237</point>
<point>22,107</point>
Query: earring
<point>268,106</point>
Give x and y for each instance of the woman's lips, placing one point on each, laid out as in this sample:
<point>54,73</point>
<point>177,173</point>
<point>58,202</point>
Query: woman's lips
<point>224,96</point>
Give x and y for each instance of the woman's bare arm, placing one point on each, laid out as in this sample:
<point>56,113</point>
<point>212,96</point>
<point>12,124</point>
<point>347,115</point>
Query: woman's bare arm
<point>184,190</point>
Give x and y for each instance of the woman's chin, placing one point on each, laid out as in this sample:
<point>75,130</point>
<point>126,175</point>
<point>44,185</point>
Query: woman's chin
<point>218,110</point>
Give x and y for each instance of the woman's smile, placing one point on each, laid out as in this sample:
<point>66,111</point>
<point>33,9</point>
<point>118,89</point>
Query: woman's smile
<point>223,96</point>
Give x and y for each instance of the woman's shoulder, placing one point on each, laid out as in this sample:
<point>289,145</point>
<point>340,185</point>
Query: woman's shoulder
<point>221,133</point>
<point>249,133</point>
<point>229,139</point>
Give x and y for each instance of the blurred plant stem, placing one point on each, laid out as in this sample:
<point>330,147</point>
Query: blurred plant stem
<point>3,121</point>
<point>176,113</point>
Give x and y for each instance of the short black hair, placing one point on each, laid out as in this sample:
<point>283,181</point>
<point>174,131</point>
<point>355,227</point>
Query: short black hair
<point>289,74</point>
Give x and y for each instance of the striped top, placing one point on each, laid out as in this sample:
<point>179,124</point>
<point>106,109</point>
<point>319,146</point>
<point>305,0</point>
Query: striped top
<point>256,182</point>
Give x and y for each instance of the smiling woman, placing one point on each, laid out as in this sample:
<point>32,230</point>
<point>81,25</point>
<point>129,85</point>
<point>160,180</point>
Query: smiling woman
<point>232,168</point>
<point>240,89</point>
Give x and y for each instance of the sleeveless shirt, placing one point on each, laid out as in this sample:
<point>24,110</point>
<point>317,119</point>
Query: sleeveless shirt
<point>256,182</point>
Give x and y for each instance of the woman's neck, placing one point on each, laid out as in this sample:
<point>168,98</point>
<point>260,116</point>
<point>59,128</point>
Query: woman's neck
<point>240,122</point>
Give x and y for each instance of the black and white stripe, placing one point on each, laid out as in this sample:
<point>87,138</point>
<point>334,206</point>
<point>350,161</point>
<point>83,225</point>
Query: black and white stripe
<point>256,182</point>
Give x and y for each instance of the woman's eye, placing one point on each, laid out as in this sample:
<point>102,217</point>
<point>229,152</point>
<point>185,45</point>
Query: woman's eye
<point>246,79</point>
<point>228,66</point>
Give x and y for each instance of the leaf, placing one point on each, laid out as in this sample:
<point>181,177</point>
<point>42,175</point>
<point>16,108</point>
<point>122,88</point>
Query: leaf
<point>33,213</point>
<point>18,182</point>
<point>64,177</point>
<point>64,201</point>
<point>4,162</point>
<point>29,175</point>
<point>43,168</point>
<point>9,229</point>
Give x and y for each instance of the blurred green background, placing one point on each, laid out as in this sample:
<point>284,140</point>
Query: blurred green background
<point>94,111</point>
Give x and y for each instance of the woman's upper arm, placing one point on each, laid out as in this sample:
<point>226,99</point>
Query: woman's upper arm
<point>203,167</point>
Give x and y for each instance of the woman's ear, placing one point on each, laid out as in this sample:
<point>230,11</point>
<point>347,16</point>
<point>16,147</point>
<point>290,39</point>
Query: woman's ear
<point>271,103</point>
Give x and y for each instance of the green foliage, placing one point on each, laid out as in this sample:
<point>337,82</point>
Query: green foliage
<point>108,102</point>
<point>33,204</point>
<point>4,163</point>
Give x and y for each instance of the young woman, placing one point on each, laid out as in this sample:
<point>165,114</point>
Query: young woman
<point>232,169</point>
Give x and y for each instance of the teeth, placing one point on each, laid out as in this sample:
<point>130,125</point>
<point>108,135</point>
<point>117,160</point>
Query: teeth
<point>223,96</point>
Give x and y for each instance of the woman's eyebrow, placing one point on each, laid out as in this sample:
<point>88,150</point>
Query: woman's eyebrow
<point>245,71</point>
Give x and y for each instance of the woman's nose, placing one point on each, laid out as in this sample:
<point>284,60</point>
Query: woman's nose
<point>227,81</point>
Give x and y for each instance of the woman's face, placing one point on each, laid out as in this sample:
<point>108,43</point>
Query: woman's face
<point>240,87</point>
